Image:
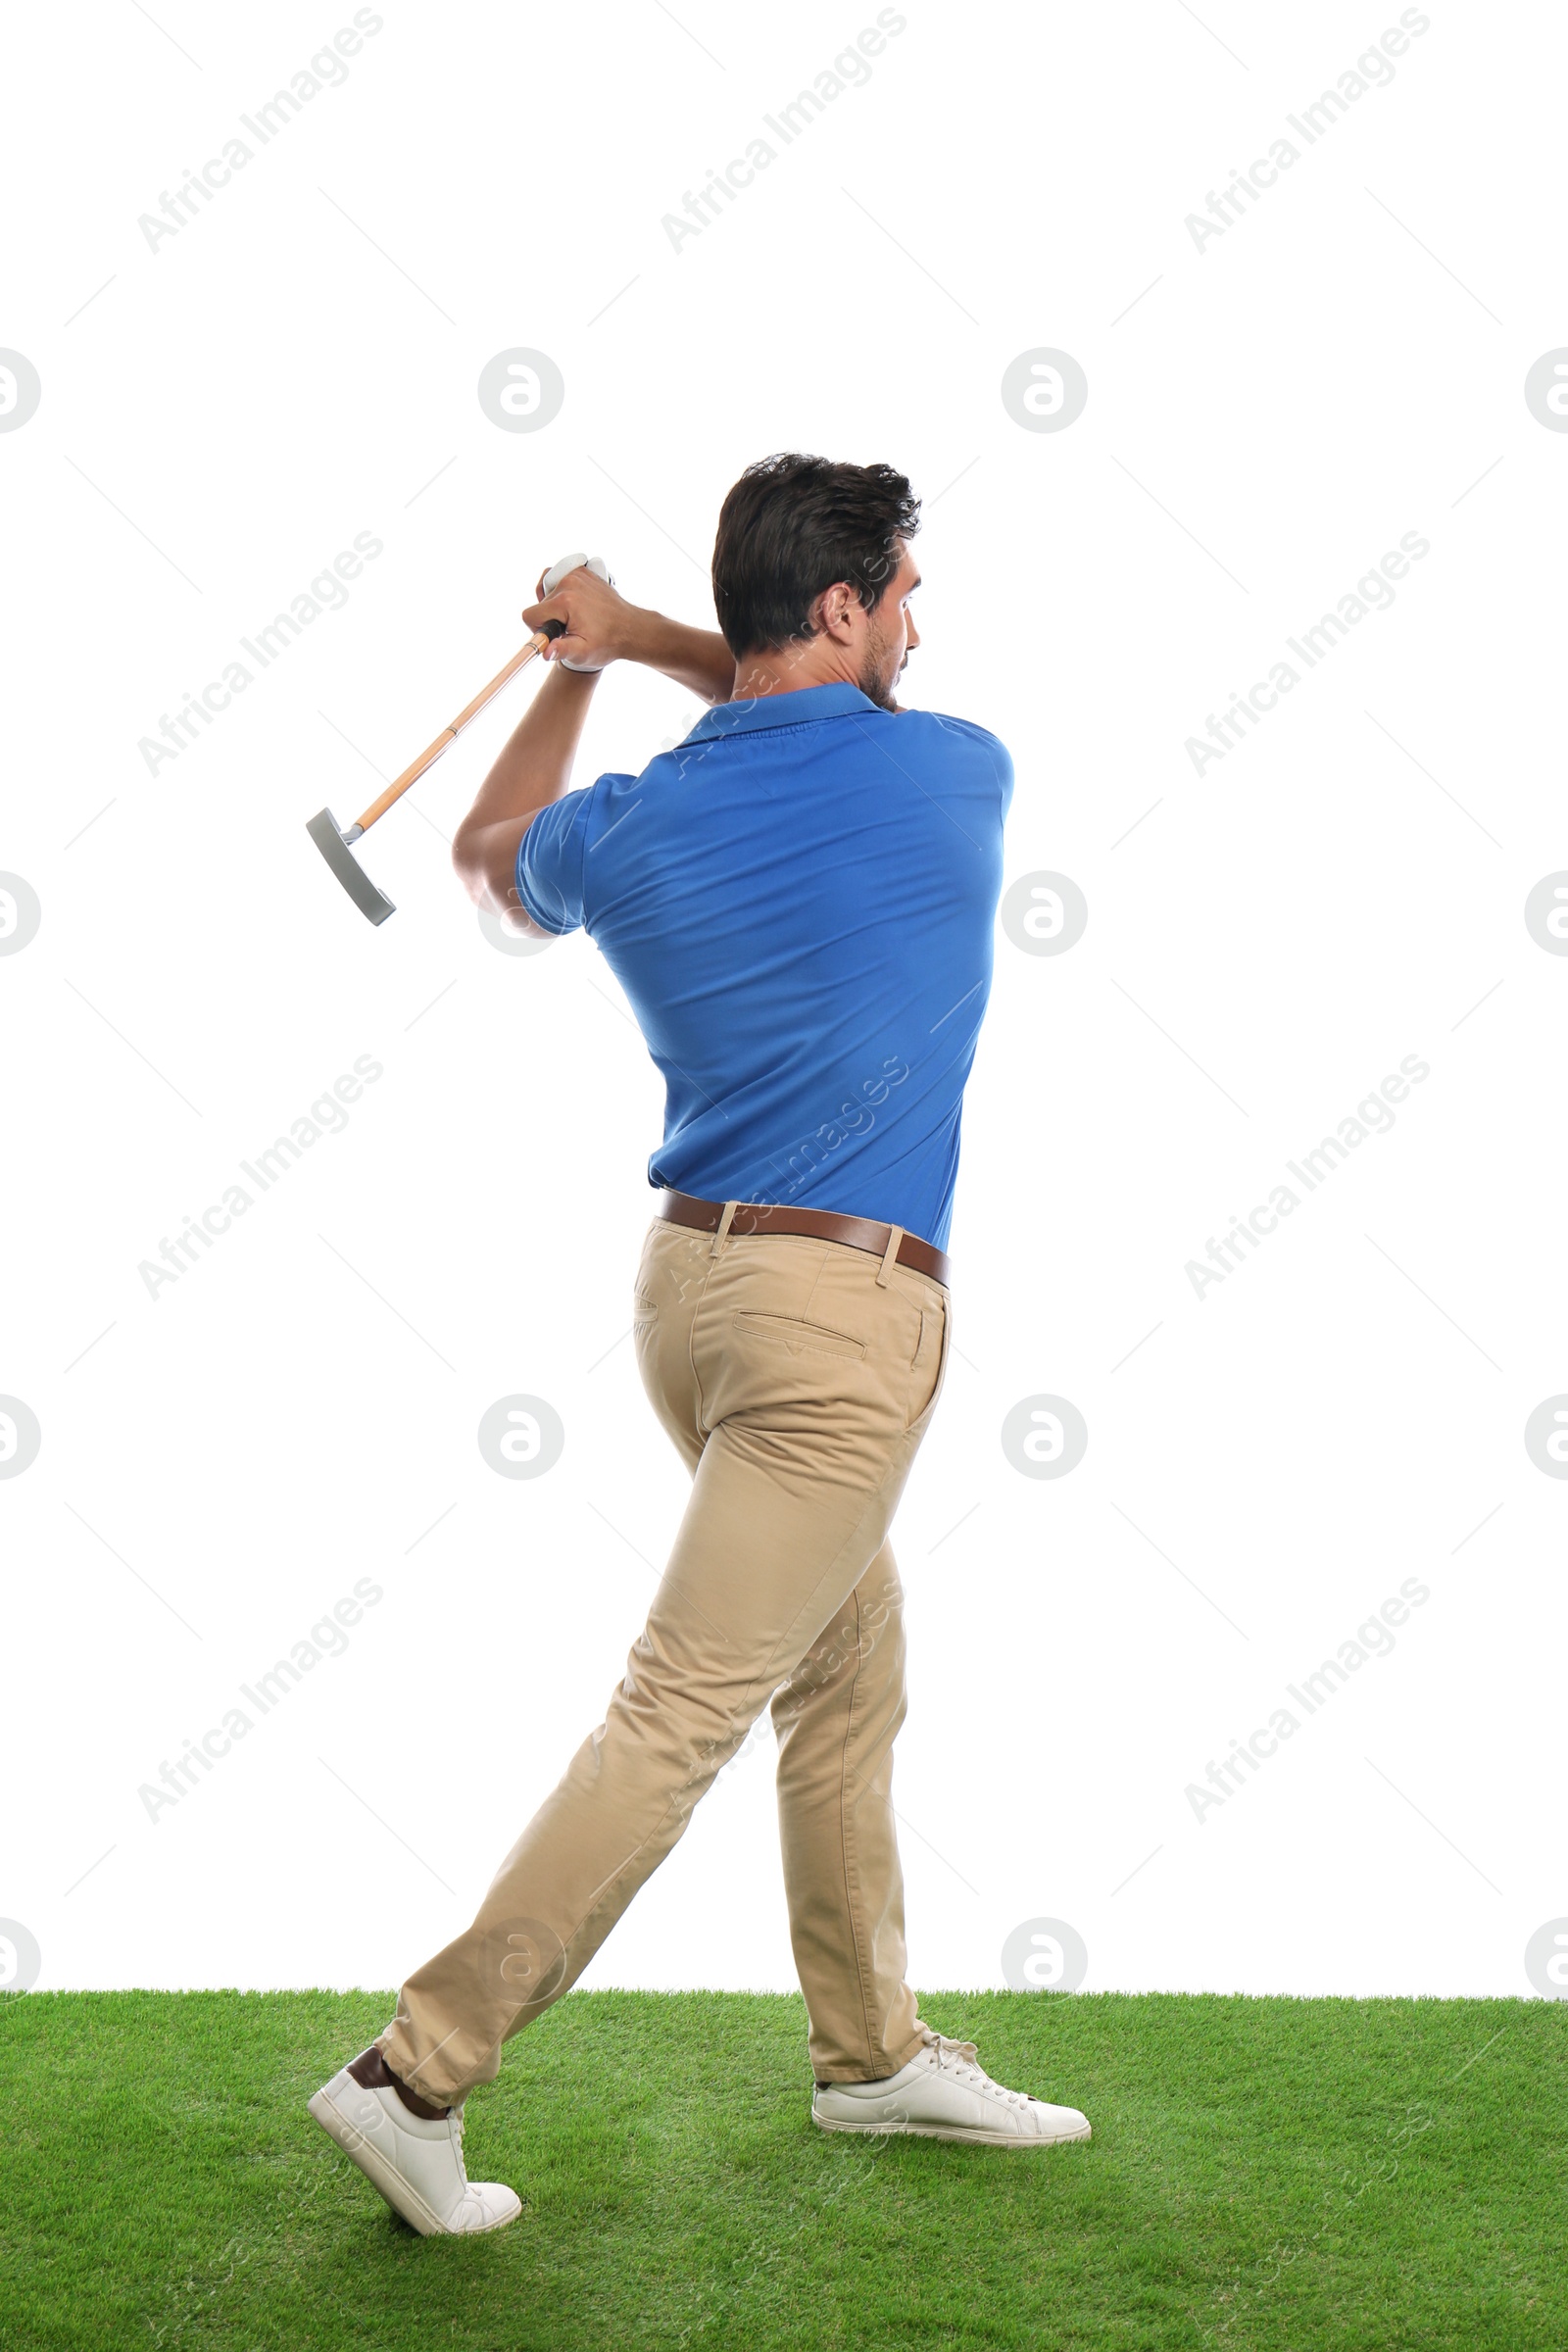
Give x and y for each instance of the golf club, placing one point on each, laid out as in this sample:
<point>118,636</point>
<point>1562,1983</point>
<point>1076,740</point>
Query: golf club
<point>337,843</point>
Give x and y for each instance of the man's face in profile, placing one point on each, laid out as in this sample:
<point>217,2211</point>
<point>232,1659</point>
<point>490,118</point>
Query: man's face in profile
<point>891,635</point>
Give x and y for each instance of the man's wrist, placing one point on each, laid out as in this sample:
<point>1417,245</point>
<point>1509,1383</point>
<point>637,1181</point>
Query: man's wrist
<point>640,636</point>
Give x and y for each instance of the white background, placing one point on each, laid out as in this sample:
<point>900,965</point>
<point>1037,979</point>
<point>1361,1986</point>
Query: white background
<point>1266,415</point>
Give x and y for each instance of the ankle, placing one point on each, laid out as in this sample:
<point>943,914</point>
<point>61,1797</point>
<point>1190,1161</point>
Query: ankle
<point>373,2073</point>
<point>425,2109</point>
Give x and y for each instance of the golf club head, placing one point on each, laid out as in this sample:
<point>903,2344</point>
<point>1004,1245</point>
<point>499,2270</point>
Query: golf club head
<point>327,835</point>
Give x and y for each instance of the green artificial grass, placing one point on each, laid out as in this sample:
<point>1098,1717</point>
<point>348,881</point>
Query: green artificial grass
<point>1275,2175</point>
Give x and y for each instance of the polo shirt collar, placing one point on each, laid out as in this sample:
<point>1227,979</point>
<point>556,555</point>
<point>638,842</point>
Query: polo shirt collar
<point>780,711</point>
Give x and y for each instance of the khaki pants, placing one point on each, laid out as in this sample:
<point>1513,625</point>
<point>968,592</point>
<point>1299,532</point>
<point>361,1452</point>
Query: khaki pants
<point>796,1377</point>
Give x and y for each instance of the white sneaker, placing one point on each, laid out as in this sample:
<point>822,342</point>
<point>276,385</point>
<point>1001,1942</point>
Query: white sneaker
<point>417,2166</point>
<point>943,2094</point>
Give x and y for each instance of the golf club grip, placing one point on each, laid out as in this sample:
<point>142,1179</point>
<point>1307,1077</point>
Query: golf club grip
<point>433,751</point>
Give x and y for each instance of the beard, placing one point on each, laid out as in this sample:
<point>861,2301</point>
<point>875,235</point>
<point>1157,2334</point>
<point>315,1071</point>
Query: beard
<point>879,674</point>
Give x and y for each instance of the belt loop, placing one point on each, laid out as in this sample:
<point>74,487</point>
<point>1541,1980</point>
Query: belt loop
<point>890,1254</point>
<point>730,1207</point>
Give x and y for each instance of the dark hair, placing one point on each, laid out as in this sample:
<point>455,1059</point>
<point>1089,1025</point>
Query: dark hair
<point>793,525</point>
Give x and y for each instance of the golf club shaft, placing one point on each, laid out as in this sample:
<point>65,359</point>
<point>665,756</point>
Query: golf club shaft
<point>433,751</point>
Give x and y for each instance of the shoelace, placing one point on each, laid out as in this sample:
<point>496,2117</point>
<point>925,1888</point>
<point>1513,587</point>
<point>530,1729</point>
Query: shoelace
<point>962,2059</point>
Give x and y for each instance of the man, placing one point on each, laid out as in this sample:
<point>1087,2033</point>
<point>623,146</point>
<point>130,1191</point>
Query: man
<point>799,902</point>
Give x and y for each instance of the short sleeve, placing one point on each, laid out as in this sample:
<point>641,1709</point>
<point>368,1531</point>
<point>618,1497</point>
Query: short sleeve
<point>1002,762</point>
<point>995,752</point>
<point>550,862</point>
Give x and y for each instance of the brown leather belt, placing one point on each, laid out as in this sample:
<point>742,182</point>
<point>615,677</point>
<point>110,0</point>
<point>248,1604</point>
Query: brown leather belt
<point>818,1224</point>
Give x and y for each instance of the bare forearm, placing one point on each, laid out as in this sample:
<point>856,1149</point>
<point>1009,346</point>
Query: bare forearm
<point>534,769</point>
<point>696,659</point>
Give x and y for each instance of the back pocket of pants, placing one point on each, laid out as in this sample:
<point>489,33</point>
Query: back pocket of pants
<point>802,1339</point>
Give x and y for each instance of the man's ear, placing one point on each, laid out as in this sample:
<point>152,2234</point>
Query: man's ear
<point>833,610</point>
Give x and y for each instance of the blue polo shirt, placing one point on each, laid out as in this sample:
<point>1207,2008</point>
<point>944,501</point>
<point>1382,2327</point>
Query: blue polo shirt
<point>799,902</point>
